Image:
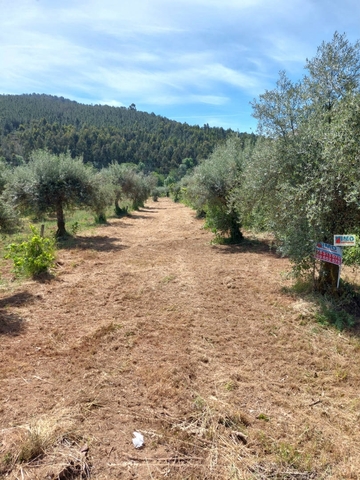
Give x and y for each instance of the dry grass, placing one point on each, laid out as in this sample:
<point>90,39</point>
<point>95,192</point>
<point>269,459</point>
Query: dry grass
<point>148,327</point>
<point>48,447</point>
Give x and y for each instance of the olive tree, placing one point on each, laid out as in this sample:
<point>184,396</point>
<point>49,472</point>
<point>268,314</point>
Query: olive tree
<point>211,185</point>
<point>334,72</point>
<point>115,173</point>
<point>305,172</point>
<point>48,184</point>
<point>129,184</point>
<point>102,198</point>
<point>132,187</point>
<point>9,220</point>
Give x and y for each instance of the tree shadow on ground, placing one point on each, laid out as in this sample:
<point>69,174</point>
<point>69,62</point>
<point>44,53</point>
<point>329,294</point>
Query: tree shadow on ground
<point>10,323</point>
<point>262,247</point>
<point>153,209</point>
<point>136,216</point>
<point>117,224</point>
<point>43,277</point>
<point>96,242</point>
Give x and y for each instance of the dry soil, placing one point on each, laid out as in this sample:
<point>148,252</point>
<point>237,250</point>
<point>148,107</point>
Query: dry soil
<point>146,326</point>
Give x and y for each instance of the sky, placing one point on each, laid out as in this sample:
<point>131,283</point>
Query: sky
<point>194,61</point>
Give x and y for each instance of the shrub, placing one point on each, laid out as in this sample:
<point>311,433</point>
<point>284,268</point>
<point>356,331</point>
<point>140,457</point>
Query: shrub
<point>9,221</point>
<point>32,257</point>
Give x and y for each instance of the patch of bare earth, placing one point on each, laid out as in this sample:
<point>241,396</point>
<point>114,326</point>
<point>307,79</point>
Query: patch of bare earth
<point>148,327</point>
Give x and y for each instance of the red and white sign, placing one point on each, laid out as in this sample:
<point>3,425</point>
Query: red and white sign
<point>328,253</point>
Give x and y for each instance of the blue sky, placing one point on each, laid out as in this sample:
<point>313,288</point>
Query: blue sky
<point>195,61</point>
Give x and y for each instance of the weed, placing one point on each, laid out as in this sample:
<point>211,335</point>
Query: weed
<point>168,279</point>
<point>338,310</point>
<point>32,257</point>
<point>33,446</point>
<point>231,385</point>
<point>289,455</point>
<point>106,329</point>
<point>6,463</point>
<point>199,403</point>
<point>341,375</point>
<point>264,417</point>
<point>74,228</point>
<point>328,315</point>
<point>7,459</point>
<point>129,333</point>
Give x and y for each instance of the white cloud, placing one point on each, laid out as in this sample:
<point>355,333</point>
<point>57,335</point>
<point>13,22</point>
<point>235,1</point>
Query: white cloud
<point>209,53</point>
<point>176,85</point>
<point>285,50</point>
<point>110,103</point>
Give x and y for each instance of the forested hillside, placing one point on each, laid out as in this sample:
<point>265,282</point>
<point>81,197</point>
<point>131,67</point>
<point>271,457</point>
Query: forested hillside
<point>100,133</point>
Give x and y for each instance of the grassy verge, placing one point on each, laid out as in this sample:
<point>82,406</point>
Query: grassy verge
<point>341,311</point>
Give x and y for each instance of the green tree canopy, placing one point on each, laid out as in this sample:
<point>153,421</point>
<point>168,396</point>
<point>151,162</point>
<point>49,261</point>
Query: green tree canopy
<point>304,175</point>
<point>211,186</point>
<point>48,184</point>
<point>130,183</point>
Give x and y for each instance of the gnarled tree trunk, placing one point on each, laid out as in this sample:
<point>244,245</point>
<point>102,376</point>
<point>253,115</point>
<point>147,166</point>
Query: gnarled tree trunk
<point>235,232</point>
<point>328,277</point>
<point>61,231</point>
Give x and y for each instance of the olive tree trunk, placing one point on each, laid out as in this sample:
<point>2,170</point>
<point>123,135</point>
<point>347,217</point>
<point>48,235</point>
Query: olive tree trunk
<point>235,232</point>
<point>61,231</point>
<point>328,278</point>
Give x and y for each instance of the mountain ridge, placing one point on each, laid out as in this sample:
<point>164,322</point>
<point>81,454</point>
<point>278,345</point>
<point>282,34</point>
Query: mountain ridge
<point>101,134</point>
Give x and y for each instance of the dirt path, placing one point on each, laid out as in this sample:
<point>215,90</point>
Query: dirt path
<point>148,327</point>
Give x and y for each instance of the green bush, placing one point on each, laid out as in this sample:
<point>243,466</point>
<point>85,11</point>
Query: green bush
<point>32,257</point>
<point>340,319</point>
